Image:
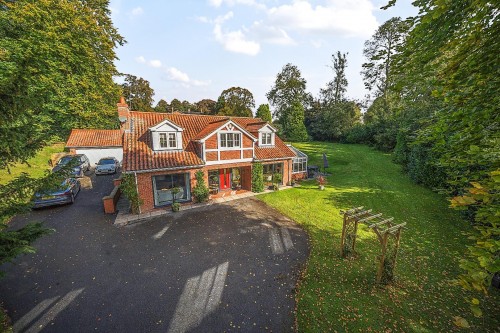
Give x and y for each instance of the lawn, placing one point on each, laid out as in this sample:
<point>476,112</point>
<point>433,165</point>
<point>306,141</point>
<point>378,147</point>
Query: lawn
<point>35,167</point>
<point>337,294</point>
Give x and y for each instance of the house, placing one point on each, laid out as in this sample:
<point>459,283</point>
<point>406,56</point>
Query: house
<point>96,143</point>
<point>165,150</point>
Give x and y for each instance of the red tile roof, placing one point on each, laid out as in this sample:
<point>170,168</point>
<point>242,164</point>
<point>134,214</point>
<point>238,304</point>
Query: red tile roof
<point>94,138</point>
<point>138,154</point>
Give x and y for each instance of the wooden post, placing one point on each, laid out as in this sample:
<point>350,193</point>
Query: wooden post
<point>342,239</point>
<point>382,258</point>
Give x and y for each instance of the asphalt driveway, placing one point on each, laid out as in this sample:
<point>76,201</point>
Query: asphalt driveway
<point>227,267</point>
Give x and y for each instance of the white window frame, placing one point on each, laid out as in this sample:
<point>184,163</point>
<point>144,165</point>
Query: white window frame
<point>165,140</point>
<point>267,139</point>
<point>301,162</point>
<point>223,138</point>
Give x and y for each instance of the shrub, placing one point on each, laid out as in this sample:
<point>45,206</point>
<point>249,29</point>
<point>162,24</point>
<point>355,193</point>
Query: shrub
<point>200,191</point>
<point>129,189</point>
<point>257,178</point>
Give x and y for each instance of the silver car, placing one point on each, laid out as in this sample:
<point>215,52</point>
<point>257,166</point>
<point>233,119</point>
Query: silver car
<point>107,165</point>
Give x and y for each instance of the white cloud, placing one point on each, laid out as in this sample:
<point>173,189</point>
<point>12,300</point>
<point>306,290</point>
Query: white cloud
<point>350,18</point>
<point>137,11</point>
<point>339,18</point>
<point>231,3</point>
<point>234,41</point>
<point>140,59</point>
<point>177,75</point>
<point>173,73</point>
<point>155,63</point>
<point>271,34</point>
<point>215,3</point>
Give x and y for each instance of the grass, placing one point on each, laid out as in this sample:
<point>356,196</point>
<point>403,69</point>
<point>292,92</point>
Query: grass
<point>35,167</point>
<point>337,294</point>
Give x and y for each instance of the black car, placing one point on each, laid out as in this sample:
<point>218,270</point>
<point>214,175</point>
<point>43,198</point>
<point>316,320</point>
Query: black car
<point>63,194</point>
<point>80,164</point>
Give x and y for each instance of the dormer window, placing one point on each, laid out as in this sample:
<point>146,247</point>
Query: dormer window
<point>230,140</point>
<point>266,139</point>
<point>166,136</point>
<point>168,140</point>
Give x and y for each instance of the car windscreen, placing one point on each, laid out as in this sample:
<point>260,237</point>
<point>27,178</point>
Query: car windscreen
<point>65,160</point>
<point>105,162</point>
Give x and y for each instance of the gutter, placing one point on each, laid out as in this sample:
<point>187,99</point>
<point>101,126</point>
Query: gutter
<point>275,159</point>
<point>166,169</point>
<point>137,188</point>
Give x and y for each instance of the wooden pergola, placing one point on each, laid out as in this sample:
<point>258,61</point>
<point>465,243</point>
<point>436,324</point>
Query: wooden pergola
<point>388,233</point>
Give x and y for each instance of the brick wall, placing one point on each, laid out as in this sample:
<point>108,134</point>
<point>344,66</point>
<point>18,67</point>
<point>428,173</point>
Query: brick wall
<point>230,154</point>
<point>211,142</point>
<point>247,153</point>
<point>247,141</point>
<point>211,155</point>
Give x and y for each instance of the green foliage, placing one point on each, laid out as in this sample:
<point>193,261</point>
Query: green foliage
<point>292,123</point>
<point>380,51</point>
<point>129,189</point>
<point>264,113</point>
<point>206,106</point>
<point>15,198</point>
<point>200,191</point>
<point>15,243</point>
<point>483,259</point>
<point>336,89</point>
<point>175,206</point>
<point>162,106</point>
<point>56,72</point>
<point>277,178</point>
<point>257,178</point>
<point>289,88</point>
<point>332,116</point>
<point>235,101</point>
<point>138,93</point>
<point>333,121</point>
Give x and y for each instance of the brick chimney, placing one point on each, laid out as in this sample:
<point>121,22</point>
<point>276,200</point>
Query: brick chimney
<point>123,111</point>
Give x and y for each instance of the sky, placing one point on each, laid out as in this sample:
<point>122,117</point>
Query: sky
<point>195,49</point>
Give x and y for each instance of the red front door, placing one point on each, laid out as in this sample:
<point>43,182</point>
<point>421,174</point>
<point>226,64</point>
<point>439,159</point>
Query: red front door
<point>225,179</point>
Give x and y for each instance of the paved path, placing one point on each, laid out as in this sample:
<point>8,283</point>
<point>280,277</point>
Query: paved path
<point>225,267</point>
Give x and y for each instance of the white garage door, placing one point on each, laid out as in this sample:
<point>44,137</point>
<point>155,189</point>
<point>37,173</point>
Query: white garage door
<point>95,154</point>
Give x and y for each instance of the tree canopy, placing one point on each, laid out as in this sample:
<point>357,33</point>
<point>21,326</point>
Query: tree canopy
<point>235,101</point>
<point>138,93</point>
<point>264,113</point>
<point>289,88</point>
<point>56,72</point>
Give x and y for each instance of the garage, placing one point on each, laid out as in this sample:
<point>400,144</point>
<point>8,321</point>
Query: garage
<point>96,143</point>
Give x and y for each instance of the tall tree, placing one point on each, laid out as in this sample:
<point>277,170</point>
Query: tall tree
<point>206,106</point>
<point>162,106</point>
<point>56,72</point>
<point>235,101</point>
<point>380,52</point>
<point>336,89</point>
<point>333,115</point>
<point>176,105</point>
<point>138,93</point>
<point>264,113</point>
<point>292,123</point>
<point>288,89</point>
<point>287,93</point>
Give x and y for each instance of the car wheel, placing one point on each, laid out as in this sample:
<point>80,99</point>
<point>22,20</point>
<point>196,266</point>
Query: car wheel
<point>72,198</point>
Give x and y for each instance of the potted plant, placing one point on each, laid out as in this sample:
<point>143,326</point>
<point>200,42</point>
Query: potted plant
<point>321,182</point>
<point>175,205</point>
